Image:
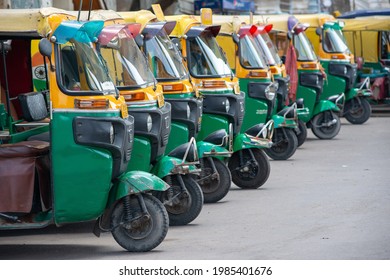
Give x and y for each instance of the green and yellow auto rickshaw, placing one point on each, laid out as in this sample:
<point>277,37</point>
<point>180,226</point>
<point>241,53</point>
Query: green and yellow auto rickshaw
<point>369,39</point>
<point>145,102</point>
<point>75,169</point>
<point>306,75</point>
<point>326,35</point>
<point>187,104</point>
<point>248,62</point>
<point>223,102</point>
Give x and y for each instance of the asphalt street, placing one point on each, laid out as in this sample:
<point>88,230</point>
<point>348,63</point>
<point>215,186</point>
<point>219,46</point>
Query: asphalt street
<point>329,201</point>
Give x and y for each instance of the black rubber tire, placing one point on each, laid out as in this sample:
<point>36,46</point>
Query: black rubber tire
<point>215,189</point>
<point>357,112</point>
<point>302,135</point>
<point>256,176</point>
<point>325,132</point>
<point>188,208</point>
<point>152,232</point>
<point>285,144</point>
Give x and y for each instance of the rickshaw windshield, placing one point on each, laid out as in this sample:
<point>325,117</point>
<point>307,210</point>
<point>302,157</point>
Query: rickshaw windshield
<point>268,48</point>
<point>83,70</point>
<point>250,54</point>
<point>334,42</point>
<point>304,48</point>
<point>126,62</point>
<point>164,59</point>
<point>205,57</point>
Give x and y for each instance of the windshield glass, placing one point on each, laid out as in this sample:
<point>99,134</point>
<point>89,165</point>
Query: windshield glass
<point>333,41</point>
<point>250,54</point>
<point>83,70</point>
<point>268,48</point>
<point>126,63</point>
<point>303,48</point>
<point>205,57</point>
<point>164,59</point>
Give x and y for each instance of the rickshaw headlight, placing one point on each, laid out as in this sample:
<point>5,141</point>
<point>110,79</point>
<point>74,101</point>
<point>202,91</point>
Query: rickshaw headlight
<point>227,105</point>
<point>317,80</point>
<point>345,71</point>
<point>270,92</point>
<point>188,111</point>
<point>149,123</point>
<point>112,134</point>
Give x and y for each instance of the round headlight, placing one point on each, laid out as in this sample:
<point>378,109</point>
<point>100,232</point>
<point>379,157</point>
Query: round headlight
<point>149,123</point>
<point>345,70</point>
<point>112,134</point>
<point>269,93</point>
<point>188,111</point>
<point>227,105</point>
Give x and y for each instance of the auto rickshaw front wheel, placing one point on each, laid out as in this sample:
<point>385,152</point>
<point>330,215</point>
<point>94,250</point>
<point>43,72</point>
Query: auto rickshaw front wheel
<point>183,200</point>
<point>326,125</point>
<point>137,230</point>
<point>250,168</point>
<point>285,144</point>
<point>215,179</point>
<point>357,110</point>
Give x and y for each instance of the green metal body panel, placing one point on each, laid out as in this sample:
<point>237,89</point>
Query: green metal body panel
<point>280,121</point>
<point>133,182</point>
<point>164,166</point>
<point>140,155</point>
<point>255,109</point>
<point>211,123</point>
<point>81,175</point>
<point>179,135</point>
<point>204,147</point>
<point>325,105</point>
<point>304,114</point>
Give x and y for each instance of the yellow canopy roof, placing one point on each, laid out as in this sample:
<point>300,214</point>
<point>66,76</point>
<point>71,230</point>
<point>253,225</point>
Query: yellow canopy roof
<point>31,22</point>
<point>372,23</point>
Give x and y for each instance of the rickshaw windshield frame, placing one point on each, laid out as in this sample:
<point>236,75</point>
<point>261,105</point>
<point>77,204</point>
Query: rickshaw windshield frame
<point>304,48</point>
<point>268,48</point>
<point>333,41</point>
<point>80,70</point>
<point>164,58</point>
<point>128,66</point>
<point>251,56</point>
<point>210,54</point>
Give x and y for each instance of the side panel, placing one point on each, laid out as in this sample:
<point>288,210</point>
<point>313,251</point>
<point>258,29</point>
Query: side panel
<point>140,156</point>
<point>81,174</point>
<point>211,123</point>
<point>179,135</point>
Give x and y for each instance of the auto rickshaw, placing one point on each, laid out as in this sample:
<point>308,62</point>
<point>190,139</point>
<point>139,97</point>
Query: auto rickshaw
<point>369,39</point>
<point>306,75</point>
<point>325,33</point>
<point>167,66</point>
<point>145,102</point>
<point>255,79</point>
<point>223,102</point>
<point>279,73</point>
<point>76,170</point>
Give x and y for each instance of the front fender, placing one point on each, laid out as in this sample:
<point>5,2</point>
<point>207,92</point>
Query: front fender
<point>170,165</point>
<point>210,149</point>
<point>281,121</point>
<point>243,141</point>
<point>325,105</point>
<point>133,182</point>
<point>303,114</point>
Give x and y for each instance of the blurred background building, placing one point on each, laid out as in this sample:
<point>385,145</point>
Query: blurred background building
<point>219,6</point>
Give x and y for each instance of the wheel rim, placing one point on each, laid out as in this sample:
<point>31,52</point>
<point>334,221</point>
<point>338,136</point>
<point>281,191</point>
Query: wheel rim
<point>209,185</point>
<point>248,172</point>
<point>139,228</point>
<point>181,203</point>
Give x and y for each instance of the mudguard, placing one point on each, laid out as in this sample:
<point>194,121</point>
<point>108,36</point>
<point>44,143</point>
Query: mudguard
<point>209,149</point>
<point>280,121</point>
<point>243,141</point>
<point>325,105</point>
<point>303,114</point>
<point>170,165</point>
<point>133,182</point>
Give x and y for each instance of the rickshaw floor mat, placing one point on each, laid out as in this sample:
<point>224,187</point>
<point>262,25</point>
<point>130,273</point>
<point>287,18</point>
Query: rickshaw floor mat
<point>23,167</point>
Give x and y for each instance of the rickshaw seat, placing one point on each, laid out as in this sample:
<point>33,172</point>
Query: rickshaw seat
<point>34,106</point>
<point>24,166</point>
